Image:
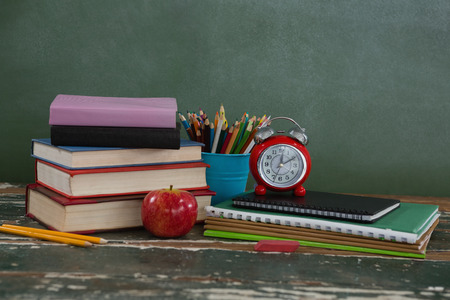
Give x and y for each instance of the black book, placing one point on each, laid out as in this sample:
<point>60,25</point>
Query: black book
<point>126,137</point>
<point>320,204</point>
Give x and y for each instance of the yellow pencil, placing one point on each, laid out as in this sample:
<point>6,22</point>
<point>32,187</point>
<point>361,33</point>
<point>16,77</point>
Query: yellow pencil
<point>262,120</point>
<point>47,237</point>
<point>222,112</point>
<point>92,239</point>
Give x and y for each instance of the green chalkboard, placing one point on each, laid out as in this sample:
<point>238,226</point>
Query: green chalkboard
<point>369,80</point>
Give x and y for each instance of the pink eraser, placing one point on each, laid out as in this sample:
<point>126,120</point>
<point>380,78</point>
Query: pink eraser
<point>277,246</point>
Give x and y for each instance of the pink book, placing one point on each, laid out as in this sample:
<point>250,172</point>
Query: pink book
<point>113,111</point>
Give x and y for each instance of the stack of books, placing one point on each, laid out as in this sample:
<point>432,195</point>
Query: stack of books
<point>114,122</point>
<point>327,220</point>
<point>100,187</point>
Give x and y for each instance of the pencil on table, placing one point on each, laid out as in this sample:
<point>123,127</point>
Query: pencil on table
<point>92,239</point>
<point>47,237</point>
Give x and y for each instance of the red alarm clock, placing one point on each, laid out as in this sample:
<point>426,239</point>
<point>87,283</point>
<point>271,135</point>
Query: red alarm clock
<point>279,162</point>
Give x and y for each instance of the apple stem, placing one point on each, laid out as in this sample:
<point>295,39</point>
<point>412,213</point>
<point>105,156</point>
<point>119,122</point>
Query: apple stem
<point>171,186</point>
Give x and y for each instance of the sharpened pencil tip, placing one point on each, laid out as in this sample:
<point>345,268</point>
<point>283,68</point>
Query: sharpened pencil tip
<point>103,241</point>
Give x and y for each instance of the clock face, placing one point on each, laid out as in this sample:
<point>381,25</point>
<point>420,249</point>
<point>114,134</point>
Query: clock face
<point>281,165</point>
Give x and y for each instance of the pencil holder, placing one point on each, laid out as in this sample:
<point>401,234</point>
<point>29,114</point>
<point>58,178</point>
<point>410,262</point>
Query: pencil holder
<point>227,174</point>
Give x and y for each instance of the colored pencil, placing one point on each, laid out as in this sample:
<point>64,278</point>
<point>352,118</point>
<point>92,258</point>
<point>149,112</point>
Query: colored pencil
<point>201,114</point>
<point>245,135</point>
<point>222,114</point>
<point>220,137</point>
<point>199,136</point>
<point>211,135</point>
<point>262,123</point>
<point>246,148</point>
<point>241,128</point>
<point>223,135</point>
<point>233,138</point>
<point>217,134</point>
<point>227,139</point>
<point>216,120</point>
<point>207,136</point>
<point>186,126</point>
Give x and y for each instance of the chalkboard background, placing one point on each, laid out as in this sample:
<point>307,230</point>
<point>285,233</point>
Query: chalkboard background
<point>369,80</point>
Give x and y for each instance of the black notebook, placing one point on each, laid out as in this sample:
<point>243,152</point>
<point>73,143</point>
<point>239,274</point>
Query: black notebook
<point>320,204</point>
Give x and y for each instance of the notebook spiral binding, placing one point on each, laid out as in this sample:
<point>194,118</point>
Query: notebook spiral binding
<point>294,208</point>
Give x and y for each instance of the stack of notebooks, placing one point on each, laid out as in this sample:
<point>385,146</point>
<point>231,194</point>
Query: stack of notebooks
<point>327,220</point>
<point>92,176</point>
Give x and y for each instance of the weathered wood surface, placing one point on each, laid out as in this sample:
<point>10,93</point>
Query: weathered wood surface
<point>134,264</point>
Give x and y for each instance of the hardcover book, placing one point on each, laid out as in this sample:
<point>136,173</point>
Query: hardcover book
<point>79,157</point>
<point>127,137</point>
<point>113,111</point>
<point>120,180</point>
<point>320,204</point>
<point>87,215</point>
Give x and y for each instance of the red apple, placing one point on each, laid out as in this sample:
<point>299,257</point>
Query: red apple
<point>169,212</point>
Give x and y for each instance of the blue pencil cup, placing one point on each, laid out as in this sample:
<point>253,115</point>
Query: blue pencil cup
<point>227,174</point>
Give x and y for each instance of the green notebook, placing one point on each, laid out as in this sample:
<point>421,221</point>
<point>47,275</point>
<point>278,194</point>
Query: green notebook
<point>405,224</point>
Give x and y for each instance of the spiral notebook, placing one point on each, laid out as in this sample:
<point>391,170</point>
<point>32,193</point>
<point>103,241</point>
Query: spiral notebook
<point>320,204</point>
<point>405,224</point>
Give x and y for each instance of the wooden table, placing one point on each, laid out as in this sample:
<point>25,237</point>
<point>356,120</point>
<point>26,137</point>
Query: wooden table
<point>134,264</point>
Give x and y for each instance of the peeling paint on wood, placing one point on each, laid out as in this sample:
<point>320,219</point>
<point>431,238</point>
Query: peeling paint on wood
<point>135,264</point>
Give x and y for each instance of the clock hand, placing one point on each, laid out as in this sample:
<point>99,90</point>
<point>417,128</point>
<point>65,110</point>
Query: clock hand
<point>289,159</point>
<point>282,156</point>
<point>276,175</point>
<point>279,168</point>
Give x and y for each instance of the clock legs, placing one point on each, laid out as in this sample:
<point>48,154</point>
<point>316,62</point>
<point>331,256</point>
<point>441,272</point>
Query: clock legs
<point>260,190</point>
<point>299,191</point>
